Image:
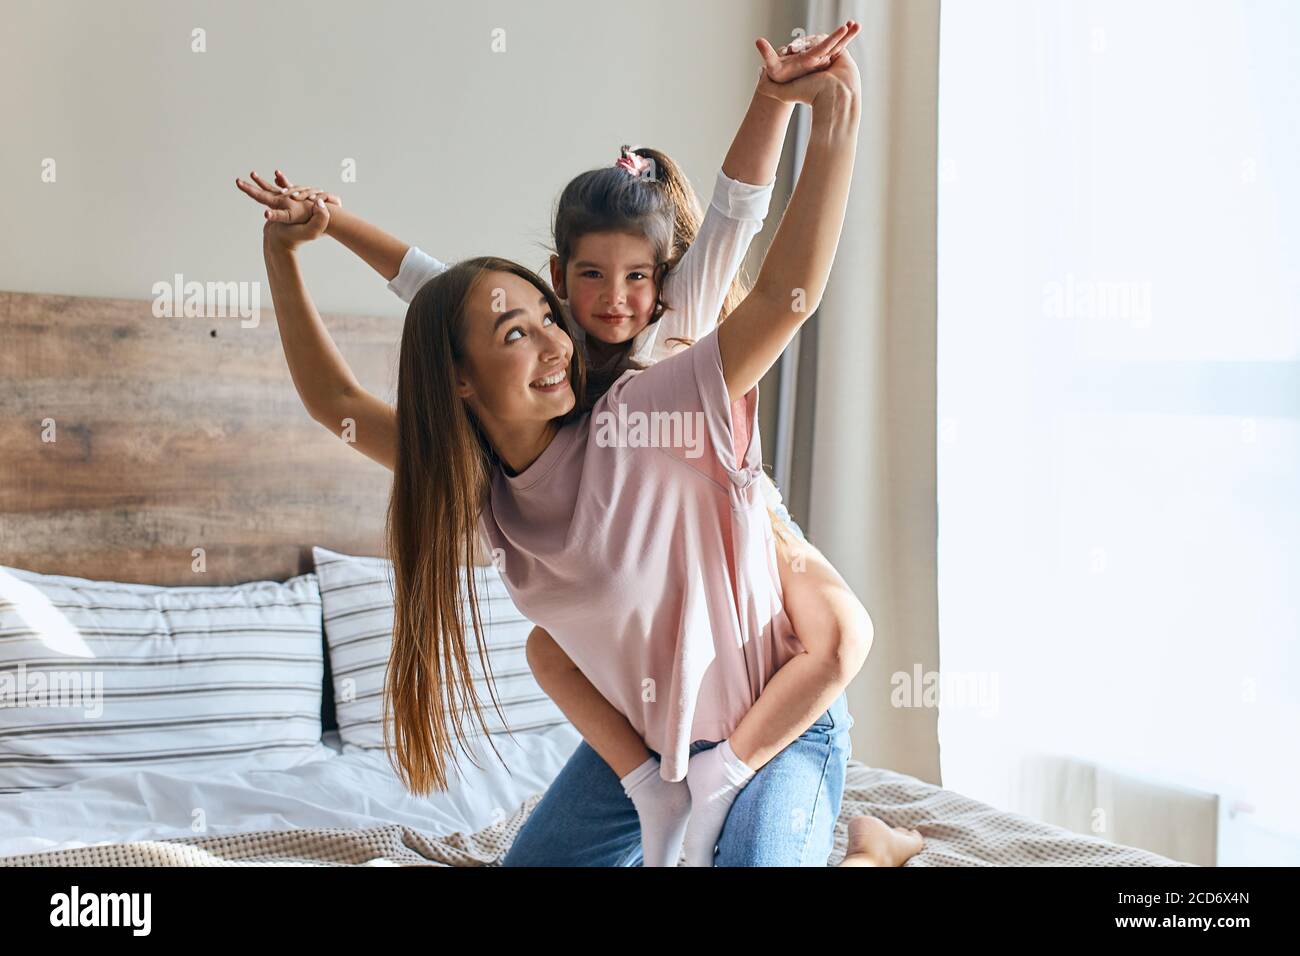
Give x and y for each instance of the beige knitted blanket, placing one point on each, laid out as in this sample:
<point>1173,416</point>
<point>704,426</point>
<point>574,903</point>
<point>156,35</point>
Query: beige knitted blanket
<point>958,831</point>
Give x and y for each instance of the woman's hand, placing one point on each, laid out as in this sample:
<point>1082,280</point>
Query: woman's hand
<point>844,71</point>
<point>285,202</point>
<point>806,54</point>
<point>287,236</point>
<point>840,76</point>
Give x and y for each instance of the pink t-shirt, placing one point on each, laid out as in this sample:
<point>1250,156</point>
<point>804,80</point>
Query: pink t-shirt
<point>639,539</point>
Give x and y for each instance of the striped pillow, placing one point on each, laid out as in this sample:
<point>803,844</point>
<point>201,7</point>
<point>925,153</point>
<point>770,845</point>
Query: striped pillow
<point>97,676</point>
<point>357,595</point>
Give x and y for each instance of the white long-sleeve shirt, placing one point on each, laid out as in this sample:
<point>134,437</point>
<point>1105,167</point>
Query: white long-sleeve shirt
<point>695,289</point>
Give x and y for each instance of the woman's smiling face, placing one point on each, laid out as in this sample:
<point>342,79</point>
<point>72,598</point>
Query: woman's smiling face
<point>517,355</point>
<point>610,284</point>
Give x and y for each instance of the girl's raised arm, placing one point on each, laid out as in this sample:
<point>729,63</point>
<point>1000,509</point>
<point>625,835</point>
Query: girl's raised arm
<point>405,267</point>
<point>793,277</point>
<point>325,383</point>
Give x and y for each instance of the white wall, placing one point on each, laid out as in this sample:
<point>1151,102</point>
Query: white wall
<point>1119,409</point>
<point>458,149</point>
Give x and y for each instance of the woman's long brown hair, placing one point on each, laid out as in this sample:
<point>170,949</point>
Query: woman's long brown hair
<point>444,463</point>
<point>440,484</point>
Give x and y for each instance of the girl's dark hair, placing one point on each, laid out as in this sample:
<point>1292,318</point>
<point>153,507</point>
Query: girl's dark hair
<point>659,205</point>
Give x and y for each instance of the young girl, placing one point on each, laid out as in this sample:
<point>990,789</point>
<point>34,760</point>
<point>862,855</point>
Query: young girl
<point>613,237</point>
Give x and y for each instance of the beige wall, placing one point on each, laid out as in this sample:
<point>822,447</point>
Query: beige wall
<point>458,149</point>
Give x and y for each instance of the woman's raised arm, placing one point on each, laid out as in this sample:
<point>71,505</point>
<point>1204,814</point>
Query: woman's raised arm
<point>325,383</point>
<point>756,150</point>
<point>700,283</point>
<point>793,277</point>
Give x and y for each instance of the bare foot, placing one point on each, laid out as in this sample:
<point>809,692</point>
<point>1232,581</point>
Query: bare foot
<point>872,842</point>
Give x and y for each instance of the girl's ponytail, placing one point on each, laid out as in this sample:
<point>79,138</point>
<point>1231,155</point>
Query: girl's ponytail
<point>687,215</point>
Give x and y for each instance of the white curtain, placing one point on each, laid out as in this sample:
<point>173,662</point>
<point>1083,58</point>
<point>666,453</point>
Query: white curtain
<point>1118,405</point>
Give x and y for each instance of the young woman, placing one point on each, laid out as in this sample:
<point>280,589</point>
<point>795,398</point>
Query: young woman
<point>464,282</point>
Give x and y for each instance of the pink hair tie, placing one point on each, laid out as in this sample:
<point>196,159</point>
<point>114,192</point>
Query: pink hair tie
<point>636,165</point>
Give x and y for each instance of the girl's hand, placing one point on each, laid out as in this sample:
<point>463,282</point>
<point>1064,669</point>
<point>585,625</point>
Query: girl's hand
<point>289,236</point>
<point>308,193</point>
<point>806,54</point>
<point>285,202</point>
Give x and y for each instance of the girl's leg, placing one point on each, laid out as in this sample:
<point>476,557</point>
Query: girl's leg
<point>786,815</point>
<point>584,819</point>
<point>837,634</point>
<point>873,842</point>
<point>609,732</point>
<point>663,807</point>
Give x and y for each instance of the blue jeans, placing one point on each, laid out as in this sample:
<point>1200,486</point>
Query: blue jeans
<point>783,513</point>
<point>785,815</point>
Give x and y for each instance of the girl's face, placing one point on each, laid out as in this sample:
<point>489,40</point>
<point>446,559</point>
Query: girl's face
<point>610,284</point>
<point>515,372</point>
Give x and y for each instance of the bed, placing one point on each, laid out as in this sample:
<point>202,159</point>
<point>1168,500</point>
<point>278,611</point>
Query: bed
<point>348,810</point>
<point>164,497</point>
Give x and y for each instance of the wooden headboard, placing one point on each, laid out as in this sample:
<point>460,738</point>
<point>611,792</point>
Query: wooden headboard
<point>173,434</point>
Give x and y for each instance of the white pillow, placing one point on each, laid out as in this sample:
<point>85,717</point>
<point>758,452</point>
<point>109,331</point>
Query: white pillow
<point>177,679</point>
<point>357,596</point>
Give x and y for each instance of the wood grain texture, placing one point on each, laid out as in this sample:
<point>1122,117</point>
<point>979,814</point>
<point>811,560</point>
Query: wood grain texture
<point>173,434</point>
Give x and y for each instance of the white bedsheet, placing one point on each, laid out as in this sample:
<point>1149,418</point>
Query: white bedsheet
<point>354,788</point>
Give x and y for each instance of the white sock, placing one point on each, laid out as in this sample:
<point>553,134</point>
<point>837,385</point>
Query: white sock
<point>663,807</point>
<point>715,777</point>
